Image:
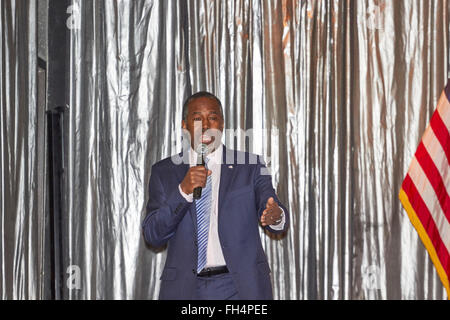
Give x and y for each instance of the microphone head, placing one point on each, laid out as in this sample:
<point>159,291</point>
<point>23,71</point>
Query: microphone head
<point>202,148</point>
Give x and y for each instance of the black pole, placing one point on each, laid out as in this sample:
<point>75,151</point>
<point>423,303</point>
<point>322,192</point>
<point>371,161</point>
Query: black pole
<point>55,130</point>
<point>57,102</point>
<point>58,53</point>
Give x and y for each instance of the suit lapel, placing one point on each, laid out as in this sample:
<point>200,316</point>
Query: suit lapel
<point>227,173</point>
<point>182,168</point>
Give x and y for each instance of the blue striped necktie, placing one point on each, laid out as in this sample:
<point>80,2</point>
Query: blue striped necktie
<point>203,206</point>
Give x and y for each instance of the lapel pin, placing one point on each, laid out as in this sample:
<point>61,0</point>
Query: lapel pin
<point>231,167</point>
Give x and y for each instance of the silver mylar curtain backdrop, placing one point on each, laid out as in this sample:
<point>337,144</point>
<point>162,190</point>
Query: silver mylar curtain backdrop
<point>339,93</point>
<point>22,186</point>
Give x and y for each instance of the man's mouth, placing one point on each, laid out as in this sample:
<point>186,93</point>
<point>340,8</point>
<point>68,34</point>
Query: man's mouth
<point>206,139</point>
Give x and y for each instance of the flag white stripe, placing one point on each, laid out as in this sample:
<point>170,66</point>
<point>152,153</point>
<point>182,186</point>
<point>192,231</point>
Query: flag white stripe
<point>444,110</point>
<point>437,154</point>
<point>428,195</point>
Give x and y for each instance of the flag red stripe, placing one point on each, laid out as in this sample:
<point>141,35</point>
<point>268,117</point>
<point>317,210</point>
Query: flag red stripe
<point>427,221</point>
<point>440,130</point>
<point>435,178</point>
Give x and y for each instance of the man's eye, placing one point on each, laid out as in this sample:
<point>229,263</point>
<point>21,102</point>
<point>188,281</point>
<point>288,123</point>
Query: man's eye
<point>213,118</point>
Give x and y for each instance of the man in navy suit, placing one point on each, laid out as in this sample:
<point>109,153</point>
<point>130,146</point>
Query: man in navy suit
<point>214,248</point>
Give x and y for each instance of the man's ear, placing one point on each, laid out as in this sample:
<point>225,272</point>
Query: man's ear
<point>183,124</point>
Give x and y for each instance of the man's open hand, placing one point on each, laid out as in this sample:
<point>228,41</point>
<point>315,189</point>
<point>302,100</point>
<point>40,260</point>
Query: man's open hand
<point>195,177</point>
<point>272,214</point>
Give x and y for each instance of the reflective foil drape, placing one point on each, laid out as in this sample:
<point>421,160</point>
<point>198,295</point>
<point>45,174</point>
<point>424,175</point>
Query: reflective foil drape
<point>22,214</point>
<point>341,92</point>
<point>338,94</point>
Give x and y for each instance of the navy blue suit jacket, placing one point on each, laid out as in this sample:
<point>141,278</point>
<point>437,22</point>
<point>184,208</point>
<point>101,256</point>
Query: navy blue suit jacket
<point>243,192</point>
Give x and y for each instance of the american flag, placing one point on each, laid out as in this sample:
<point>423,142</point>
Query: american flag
<point>426,188</point>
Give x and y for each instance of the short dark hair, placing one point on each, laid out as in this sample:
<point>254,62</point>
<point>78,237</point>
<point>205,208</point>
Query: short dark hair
<point>200,94</point>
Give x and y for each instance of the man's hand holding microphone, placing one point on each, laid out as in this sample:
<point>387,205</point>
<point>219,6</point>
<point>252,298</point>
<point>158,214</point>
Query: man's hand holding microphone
<point>195,177</point>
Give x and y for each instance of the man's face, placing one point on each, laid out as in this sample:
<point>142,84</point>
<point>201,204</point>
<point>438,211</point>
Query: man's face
<point>204,122</point>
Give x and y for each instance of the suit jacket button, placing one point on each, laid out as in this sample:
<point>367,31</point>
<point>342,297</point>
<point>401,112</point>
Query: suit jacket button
<point>193,271</point>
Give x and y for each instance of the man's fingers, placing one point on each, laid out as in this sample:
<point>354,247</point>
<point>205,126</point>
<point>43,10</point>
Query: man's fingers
<point>270,202</point>
<point>271,214</point>
<point>199,169</point>
<point>199,177</point>
<point>195,177</point>
<point>269,217</point>
<point>263,220</point>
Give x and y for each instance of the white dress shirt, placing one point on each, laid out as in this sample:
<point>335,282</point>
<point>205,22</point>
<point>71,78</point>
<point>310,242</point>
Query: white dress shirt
<point>214,255</point>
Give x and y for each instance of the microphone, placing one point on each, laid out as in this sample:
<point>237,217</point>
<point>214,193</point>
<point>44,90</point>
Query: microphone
<point>201,151</point>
